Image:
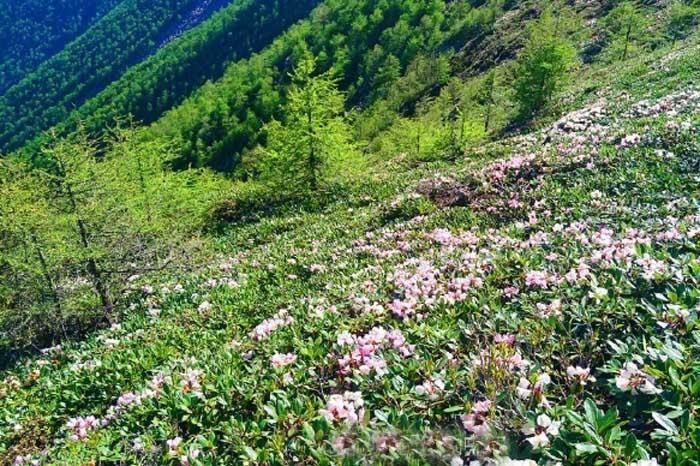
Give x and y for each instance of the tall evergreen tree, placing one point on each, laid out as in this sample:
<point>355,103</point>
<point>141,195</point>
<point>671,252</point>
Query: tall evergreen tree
<point>313,135</point>
<point>543,65</point>
<point>624,24</point>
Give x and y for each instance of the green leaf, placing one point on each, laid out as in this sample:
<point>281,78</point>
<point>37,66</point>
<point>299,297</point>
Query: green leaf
<point>592,412</point>
<point>250,453</point>
<point>630,444</point>
<point>695,389</point>
<point>585,449</point>
<point>665,422</point>
<point>308,432</point>
<point>453,409</point>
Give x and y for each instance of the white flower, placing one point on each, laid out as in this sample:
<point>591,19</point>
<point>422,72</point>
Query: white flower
<point>632,379</point>
<point>526,389</point>
<point>510,462</point>
<point>173,445</point>
<point>431,387</point>
<point>204,307</point>
<point>542,430</point>
<point>539,440</point>
<point>583,375</point>
<point>598,293</point>
<point>523,389</point>
<point>651,462</point>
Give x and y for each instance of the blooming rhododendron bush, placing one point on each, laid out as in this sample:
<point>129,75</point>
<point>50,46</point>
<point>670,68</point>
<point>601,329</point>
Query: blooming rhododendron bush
<point>551,319</point>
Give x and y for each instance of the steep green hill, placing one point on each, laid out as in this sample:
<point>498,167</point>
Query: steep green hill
<point>32,31</point>
<point>146,90</point>
<point>530,323</point>
<point>83,68</point>
<point>366,45</point>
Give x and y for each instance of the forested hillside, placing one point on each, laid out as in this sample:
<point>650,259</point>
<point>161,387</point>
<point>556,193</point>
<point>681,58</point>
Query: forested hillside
<point>341,232</point>
<point>84,67</point>
<point>366,45</point>
<point>32,31</point>
<point>148,89</point>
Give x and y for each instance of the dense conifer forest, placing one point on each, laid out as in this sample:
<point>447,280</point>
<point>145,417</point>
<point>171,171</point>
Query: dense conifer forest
<point>32,31</point>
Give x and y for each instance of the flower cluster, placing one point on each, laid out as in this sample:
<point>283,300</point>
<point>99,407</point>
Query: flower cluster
<point>347,408</point>
<point>364,357</point>
<point>540,433</point>
<point>634,380</point>
<point>476,421</point>
<point>267,326</point>
<point>280,360</point>
<point>80,427</point>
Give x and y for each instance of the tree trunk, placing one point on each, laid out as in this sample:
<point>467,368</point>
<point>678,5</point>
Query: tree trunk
<point>627,41</point>
<point>92,267</point>
<point>312,162</point>
<point>45,272</point>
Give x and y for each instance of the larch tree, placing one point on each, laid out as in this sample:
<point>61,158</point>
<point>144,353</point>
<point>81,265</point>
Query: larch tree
<point>312,136</point>
<point>543,65</point>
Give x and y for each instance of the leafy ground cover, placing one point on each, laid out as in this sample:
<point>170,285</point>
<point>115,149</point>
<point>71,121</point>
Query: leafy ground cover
<point>551,318</point>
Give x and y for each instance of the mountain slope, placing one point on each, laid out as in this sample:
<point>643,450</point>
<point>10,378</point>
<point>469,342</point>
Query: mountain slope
<point>83,68</point>
<point>32,31</point>
<point>367,45</point>
<point>527,324</point>
<point>148,89</point>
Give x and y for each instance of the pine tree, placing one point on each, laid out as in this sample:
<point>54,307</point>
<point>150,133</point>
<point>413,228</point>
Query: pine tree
<point>74,231</point>
<point>682,18</point>
<point>312,136</point>
<point>543,65</point>
<point>487,97</point>
<point>625,25</point>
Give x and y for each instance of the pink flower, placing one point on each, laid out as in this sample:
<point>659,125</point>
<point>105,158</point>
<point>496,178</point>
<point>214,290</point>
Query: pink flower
<point>345,338</point>
<point>81,426</point>
<point>476,421</point>
<point>504,338</point>
<point>192,455</point>
<point>385,442</point>
<point>630,140</point>
<point>347,408</point>
<point>343,443</point>
<point>536,279</point>
<point>190,382</point>
<point>173,445</point>
<point>266,327</point>
<point>517,362</point>
<point>442,236</point>
<point>280,360</point>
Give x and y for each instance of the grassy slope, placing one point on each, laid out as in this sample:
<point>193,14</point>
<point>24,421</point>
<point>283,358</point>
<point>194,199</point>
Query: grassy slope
<point>549,214</point>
